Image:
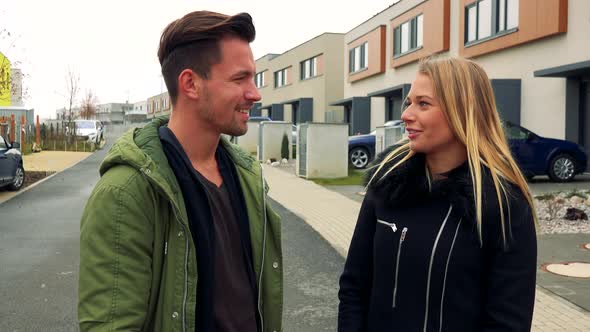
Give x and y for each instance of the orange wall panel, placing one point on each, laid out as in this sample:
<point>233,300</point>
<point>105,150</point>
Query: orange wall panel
<point>436,30</point>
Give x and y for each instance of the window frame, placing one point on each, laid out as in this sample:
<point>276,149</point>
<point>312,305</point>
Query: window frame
<point>283,78</point>
<point>362,51</point>
<point>398,39</point>
<point>259,79</point>
<point>496,28</point>
<point>313,68</point>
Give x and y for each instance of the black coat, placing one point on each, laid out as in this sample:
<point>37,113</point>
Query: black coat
<point>416,263</point>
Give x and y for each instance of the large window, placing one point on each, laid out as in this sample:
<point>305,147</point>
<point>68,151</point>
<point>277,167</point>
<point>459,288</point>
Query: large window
<point>358,58</point>
<point>259,79</point>
<point>408,36</point>
<point>280,78</point>
<point>309,68</point>
<point>488,18</point>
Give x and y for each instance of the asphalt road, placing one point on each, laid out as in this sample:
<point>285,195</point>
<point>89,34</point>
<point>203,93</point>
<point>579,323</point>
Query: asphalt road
<point>39,251</point>
<point>39,259</point>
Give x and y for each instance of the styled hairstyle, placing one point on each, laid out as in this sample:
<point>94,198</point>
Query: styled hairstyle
<point>192,42</point>
<point>467,100</point>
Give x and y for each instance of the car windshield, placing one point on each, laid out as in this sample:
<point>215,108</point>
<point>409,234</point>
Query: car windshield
<point>515,132</point>
<point>3,146</point>
<point>85,124</point>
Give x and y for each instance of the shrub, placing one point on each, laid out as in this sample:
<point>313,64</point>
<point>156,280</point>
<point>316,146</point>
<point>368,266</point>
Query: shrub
<point>285,147</point>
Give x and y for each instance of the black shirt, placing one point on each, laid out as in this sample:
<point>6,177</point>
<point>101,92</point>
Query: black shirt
<point>233,306</point>
<point>202,226</point>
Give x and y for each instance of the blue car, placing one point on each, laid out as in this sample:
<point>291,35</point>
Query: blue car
<point>559,159</point>
<point>12,173</point>
<point>361,148</point>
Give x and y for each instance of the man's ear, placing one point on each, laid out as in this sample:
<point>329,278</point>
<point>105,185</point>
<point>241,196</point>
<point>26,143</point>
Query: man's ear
<point>190,84</point>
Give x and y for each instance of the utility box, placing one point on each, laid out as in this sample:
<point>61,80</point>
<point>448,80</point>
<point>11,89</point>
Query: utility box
<point>270,140</point>
<point>386,136</point>
<point>322,150</point>
<point>248,141</point>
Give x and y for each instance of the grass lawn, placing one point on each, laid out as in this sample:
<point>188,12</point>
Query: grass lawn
<point>355,177</point>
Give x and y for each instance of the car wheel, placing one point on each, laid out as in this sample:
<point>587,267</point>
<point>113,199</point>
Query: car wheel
<point>359,157</point>
<point>19,179</point>
<point>562,168</point>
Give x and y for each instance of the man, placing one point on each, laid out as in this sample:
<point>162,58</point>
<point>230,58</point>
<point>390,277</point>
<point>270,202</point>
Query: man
<point>177,235</point>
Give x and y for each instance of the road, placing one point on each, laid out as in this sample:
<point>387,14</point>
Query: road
<point>39,259</point>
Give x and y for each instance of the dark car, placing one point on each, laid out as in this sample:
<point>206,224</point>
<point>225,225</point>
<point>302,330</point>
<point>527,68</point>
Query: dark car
<point>361,148</point>
<point>537,155</point>
<point>12,172</point>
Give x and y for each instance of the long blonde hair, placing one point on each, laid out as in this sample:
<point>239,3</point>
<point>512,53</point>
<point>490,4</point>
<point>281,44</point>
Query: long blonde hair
<point>467,100</point>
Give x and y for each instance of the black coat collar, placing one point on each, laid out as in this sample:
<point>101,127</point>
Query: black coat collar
<point>408,184</point>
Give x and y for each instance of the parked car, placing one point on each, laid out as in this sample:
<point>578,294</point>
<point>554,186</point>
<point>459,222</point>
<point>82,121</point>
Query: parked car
<point>361,148</point>
<point>259,118</point>
<point>561,160</point>
<point>91,130</point>
<point>12,172</point>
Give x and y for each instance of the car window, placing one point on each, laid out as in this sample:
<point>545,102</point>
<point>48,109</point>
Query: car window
<point>514,132</point>
<point>85,124</point>
<point>3,146</point>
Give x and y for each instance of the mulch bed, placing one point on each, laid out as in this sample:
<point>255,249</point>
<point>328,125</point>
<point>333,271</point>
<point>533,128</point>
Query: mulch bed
<point>34,176</point>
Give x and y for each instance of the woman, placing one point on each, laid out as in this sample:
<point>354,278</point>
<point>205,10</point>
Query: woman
<point>445,239</point>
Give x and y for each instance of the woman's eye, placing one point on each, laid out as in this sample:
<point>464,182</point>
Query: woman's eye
<point>423,104</point>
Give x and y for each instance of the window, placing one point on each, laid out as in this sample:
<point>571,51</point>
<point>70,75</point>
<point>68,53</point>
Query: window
<point>408,36</point>
<point>488,18</point>
<point>358,58</point>
<point>309,68</point>
<point>259,79</point>
<point>280,78</point>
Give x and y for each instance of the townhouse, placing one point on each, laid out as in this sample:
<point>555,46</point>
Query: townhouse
<point>298,85</point>
<point>536,53</point>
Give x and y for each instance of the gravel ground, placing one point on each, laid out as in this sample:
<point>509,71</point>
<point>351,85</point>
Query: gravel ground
<point>552,208</point>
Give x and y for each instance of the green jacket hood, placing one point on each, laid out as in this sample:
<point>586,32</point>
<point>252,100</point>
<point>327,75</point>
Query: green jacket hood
<point>141,149</point>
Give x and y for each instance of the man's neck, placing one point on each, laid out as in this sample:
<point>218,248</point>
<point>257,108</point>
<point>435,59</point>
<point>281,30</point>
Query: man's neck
<point>197,140</point>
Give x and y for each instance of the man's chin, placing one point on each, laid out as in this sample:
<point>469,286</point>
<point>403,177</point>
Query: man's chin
<point>236,132</point>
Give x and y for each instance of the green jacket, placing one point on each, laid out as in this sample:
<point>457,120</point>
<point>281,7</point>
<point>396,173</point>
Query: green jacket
<point>138,268</point>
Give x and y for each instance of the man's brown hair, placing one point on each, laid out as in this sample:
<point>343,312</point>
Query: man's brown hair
<point>192,42</point>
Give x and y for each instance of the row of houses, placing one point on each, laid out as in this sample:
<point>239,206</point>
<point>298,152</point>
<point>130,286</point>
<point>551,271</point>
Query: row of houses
<point>115,113</point>
<point>536,53</point>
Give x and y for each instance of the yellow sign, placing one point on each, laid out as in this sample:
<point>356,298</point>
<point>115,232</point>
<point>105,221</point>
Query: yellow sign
<point>5,81</point>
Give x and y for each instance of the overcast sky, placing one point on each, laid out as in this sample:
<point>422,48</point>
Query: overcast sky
<point>112,44</point>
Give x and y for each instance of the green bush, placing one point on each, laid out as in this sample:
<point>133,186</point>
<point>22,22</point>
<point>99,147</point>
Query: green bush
<point>285,147</point>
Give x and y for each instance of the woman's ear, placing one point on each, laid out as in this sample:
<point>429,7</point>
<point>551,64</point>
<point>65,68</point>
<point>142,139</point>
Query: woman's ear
<point>189,84</point>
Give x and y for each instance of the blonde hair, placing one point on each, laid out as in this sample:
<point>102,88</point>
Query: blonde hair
<point>467,100</point>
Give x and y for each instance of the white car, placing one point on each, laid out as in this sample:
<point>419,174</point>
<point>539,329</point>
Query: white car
<point>92,130</point>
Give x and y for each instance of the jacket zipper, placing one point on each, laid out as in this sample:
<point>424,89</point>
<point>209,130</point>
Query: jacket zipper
<point>184,298</point>
<point>442,299</point>
<point>263,252</point>
<point>147,172</point>
<point>389,224</point>
<point>442,227</point>
<point>399,250</point>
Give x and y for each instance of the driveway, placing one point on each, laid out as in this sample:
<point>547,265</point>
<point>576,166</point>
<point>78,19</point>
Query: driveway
<point>541,184</point>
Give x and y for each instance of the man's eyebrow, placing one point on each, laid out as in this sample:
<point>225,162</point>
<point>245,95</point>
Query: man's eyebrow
<point>243,73</point>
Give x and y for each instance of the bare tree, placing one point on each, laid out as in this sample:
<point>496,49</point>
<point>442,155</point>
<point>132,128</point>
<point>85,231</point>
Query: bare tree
<point>72,89</point>
<point>88,106</point>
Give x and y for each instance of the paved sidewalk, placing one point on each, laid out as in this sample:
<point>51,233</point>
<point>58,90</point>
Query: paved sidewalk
<point>333,216</point>
<point>54,161</point>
